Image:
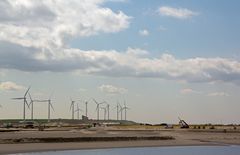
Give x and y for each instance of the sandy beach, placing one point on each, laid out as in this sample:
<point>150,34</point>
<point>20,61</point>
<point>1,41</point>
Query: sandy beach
<point>10,141</point>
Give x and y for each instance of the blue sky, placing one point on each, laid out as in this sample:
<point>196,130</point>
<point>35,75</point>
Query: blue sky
<point>211,33</point>
<point>166,58</point>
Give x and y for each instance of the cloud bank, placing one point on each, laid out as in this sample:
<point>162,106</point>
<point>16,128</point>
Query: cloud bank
<point>34,38</point>
<point>49,23</point>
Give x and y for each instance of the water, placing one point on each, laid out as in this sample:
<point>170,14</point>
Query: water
<point>184,150</point>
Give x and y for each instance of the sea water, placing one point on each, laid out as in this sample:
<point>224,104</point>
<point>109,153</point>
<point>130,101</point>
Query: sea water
<point>183,150</point>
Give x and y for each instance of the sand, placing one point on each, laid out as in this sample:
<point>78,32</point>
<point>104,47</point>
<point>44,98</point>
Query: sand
<point>181,138</point>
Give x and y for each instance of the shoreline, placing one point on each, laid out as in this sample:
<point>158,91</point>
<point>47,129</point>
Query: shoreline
<point>106,138</point>
<point>52,147</point>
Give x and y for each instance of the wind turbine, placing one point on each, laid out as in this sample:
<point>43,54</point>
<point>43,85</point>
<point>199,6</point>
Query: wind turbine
<point>125,108</point>
<point>50,106</point>
<point>31,103</point>
<point>86,110</point>
<point>105,112</point>
<point>72,108</point>
<point>24,102</point>
<point>117,106</point>
<point>78,111</point>
<point>120,110</point>
<point>97,108</point>
<point>108,106</point>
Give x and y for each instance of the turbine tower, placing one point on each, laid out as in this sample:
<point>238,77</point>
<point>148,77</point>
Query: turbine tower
<point>108,106</point>
<point>78,111</point>
<point>120,110</point>
<point>125,108</point>
<point>31,103</point>
<point>105,111</point>
<point>86,110</point>
<point>72,108</point>
<point>97,108</point>
<point>50,106</point>
<point>117,107</point>
<point>24,98</point>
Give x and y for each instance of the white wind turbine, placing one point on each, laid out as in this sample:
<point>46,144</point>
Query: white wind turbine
<point>121,110</point>
<point>78,111</point>
<point>97,108</point>
<point>72,107</point>
<point>108,107</point>
<point>24,98</point>
<point>117,107</point>
<point>50,106</point>
<point>86,108</point>
<point>125,108</point>
<point>105,111</point>
<point>31,103</point>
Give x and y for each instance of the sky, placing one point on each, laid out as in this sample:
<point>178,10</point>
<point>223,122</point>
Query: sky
<point>165,58</point>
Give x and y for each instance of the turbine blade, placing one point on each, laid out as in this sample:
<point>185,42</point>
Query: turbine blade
<point>95,101</point>
<point>70,107</point>
<point>27,91</point>
<point>51,95</point>
<point>52,106</point>
<point>18,98</point>
<point>28,105</point>
<point>30,97</point>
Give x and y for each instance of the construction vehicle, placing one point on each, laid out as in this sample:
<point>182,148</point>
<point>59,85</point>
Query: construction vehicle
<point>183,124</point>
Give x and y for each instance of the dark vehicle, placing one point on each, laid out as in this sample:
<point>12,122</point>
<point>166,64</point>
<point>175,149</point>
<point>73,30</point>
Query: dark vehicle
<point>28,124</point>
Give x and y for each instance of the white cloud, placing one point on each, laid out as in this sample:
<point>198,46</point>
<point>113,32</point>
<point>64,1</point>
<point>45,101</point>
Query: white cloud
<point>34,33</point>
<point>48,24</point>
<point>132,63</point>
<point>180,13</point>
<point>144,32</point>
<point>186,91</point>
<point>10,86</point>
<point>214,94</point>
<point>110,89</point>
<point>136,52</point>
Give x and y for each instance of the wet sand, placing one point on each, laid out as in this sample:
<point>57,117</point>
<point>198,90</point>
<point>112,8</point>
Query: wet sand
<point>181,138</point>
